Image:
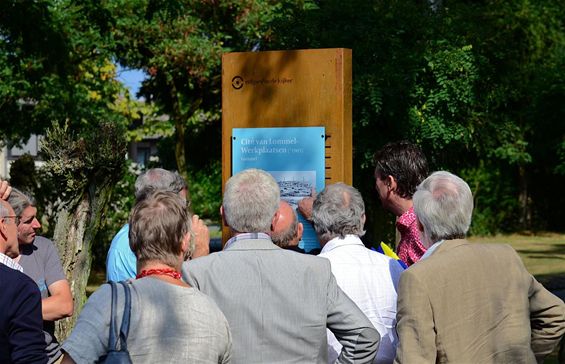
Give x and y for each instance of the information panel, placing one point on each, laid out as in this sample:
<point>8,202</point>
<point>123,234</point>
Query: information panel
<point>293,156</point>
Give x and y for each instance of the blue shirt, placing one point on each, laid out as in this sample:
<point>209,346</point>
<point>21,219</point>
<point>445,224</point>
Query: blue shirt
<point>121,263</point>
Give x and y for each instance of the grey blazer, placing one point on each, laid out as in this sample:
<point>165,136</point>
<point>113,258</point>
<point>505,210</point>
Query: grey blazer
<point>278,304</point>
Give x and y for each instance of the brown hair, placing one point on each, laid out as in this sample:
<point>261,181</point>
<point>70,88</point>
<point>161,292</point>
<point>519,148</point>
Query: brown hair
<point>157,226</point>
<point>405,162</point>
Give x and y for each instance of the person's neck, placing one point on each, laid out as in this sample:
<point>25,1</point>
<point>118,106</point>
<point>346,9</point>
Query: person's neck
<point>400,206</point>
<point>155,265</point>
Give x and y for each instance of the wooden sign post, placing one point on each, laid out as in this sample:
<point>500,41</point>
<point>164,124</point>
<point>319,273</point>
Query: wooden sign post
<point>290,89</point>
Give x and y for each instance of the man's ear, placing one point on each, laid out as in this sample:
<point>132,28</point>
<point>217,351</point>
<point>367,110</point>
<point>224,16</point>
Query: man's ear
<point>275,220</point>
<point>391,183</point>
<point>186,242</point>
<point>3,230</point>
<point>363,220</point>
<point>185,246</point>
<point>223,216</point>
<point>299,230</point>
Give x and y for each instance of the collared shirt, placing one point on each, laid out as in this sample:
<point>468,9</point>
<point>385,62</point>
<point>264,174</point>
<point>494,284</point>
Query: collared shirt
<point>6,260</point>
<point>370,279</point>
<point>431,249</point>
<point>246,236</point>
<point>410,248</point>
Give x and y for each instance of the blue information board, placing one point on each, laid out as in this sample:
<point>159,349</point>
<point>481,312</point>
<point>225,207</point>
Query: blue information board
<point>295,157</point>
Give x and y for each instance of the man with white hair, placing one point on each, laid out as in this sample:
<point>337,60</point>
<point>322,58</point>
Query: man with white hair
<point>278,303</point>
<point>469,303</point>
<point>367,277</point>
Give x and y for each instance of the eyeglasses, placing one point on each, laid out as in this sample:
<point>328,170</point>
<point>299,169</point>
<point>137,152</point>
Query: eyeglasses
<point>9,217</point>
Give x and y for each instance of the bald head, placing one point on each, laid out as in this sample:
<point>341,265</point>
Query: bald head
<point>287,231</point>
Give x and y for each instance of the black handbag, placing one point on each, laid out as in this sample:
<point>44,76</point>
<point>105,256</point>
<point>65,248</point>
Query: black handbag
<point>121,356</point>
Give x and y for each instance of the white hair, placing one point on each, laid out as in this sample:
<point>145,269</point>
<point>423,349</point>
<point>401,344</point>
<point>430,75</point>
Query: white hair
<point>158,179</point>
<point>338,211</point>
<point>443,204</point>
<point>251,199</point>
<point>4,211</point>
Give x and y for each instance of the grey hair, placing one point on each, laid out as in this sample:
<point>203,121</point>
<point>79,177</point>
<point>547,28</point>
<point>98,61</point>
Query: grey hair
<point>251,199</point>
<point>443,204</point>
<point>283,238</point>
<point>20,201</point>
<point>3,209</point>
<point>337,211</point>
<point>157,226</point>
<point>158,179</point>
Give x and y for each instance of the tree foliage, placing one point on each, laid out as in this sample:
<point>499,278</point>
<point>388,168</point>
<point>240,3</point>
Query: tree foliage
<point>179,44</point>
<point>475,83</point>
<point>479,85</point>
<point>54,67</point>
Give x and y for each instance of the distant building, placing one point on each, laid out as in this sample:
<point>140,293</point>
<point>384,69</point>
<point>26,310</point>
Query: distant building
<point>139,152</point>
<point>9,154</point>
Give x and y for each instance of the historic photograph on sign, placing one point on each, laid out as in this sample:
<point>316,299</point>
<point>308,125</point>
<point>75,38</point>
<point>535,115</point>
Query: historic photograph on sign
<point>295,185</point>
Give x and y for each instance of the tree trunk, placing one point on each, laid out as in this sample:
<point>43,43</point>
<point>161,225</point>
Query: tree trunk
<point>76,227</point>
<point>85,168</point>
<point>524,199</point>
<point>180,148</point>
<point>180,156</point>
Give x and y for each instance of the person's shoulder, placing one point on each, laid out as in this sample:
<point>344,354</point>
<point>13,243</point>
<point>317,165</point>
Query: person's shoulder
<point>205,260</point>
<point>102,294</point>
<point>120,244</point>
<point>201,266</point>
<point>9,272</point>
<point>385,262</point>
<point>506,248</point>
<point>205,303</point>
<point>378,256</point>
<point>305,261</point>
<point>291,254</point>
<point>122,234</point>
<point>499,252</point>
<point>423,266</point>
<point>43,243</point>
<point>464,247</point>
<point>12,279</point>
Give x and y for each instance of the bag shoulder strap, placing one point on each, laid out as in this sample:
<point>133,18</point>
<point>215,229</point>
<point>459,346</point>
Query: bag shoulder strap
<point>124,329</point>
<point>112,342</point>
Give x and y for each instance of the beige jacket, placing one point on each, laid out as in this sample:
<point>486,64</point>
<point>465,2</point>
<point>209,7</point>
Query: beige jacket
<point>475,303</point>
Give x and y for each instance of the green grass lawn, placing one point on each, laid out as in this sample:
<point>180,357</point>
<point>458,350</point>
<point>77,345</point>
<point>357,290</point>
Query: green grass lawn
<point>542,254</point>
